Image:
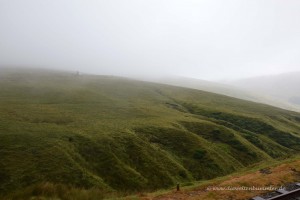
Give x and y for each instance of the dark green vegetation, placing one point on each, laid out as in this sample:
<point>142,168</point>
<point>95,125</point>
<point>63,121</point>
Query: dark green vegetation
<point>102,134</point>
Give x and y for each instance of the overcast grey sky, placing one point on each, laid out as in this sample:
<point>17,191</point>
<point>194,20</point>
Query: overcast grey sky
<point>206,39</point>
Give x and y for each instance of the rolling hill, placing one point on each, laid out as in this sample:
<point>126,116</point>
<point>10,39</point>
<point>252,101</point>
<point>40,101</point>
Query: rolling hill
<point>68,135</point>
<point>283,88</point>
<point>279,91</point>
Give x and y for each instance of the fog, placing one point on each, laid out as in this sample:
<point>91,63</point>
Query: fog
<point>205,39</point>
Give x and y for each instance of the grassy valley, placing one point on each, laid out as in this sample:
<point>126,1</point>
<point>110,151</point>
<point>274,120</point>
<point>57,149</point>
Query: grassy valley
<point>88,137</point>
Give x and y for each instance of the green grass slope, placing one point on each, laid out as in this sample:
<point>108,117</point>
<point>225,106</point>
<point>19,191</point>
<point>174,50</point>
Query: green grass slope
<point>60,131</point>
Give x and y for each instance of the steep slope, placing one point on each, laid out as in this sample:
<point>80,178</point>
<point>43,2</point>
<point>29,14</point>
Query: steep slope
<point>117,134</point>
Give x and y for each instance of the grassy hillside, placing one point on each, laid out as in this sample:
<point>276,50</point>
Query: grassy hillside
<point>262,91</point>
<point>280,174</point>
<point>68,135</point>
<point>283,88</point>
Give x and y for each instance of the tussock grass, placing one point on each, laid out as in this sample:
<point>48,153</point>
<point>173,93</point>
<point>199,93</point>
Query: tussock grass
<point>99,135</point>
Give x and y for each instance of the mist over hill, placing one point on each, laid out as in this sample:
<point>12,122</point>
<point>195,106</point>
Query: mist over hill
<point>283,87</point>
<point>242,90</point>
<point>85,114</point>
<point>121,135</point>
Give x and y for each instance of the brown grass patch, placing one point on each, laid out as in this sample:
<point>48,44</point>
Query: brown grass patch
<point>280,175</point>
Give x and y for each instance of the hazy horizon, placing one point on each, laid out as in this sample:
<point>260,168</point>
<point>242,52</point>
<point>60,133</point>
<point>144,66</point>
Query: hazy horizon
<point>208,40</point>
